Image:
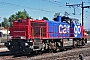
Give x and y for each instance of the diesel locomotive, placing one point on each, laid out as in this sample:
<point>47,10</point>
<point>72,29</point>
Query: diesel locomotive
<point>28,35</point>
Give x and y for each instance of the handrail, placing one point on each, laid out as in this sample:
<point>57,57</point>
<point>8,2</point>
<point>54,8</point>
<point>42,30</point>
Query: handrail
<point>40,32</point>
<point>32,33</point>
<point>54,33</point>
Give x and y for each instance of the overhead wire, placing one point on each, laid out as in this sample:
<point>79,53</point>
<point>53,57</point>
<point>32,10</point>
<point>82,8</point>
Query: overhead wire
<point>29,7</point>
<point>59,5</point>
<point>25,6</point>
<point>54,2</point>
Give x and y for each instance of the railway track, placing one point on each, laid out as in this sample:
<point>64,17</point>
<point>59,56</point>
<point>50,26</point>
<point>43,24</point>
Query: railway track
<point>65,55</point>
<point>71,54</point>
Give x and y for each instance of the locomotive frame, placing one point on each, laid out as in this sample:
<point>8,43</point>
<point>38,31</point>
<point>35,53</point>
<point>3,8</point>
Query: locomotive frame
<point>33,35</point>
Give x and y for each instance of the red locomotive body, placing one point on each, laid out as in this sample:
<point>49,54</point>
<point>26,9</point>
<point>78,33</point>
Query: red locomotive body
<point>27,29</point>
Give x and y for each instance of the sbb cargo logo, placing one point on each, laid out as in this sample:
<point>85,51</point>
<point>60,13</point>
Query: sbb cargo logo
<point>77,30</point>
<point>64,29</point>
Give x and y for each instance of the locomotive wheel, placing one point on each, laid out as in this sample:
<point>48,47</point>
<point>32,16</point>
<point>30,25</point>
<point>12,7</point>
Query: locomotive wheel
<point>40,52</point>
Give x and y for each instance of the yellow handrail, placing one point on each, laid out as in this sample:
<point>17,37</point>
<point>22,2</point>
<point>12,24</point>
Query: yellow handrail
<point>32,33</point>
<point>40,33</point>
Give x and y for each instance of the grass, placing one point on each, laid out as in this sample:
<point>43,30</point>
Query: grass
<point>89,38</point>
<point>3,39</point>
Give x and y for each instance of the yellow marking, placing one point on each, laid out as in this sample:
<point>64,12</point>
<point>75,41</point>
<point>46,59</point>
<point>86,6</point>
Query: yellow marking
<point>40,33</point>
<point>32,33</point>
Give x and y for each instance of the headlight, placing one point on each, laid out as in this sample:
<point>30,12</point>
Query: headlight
<point>31,41</point>
<point>22,37</point>
<point>26,44</point>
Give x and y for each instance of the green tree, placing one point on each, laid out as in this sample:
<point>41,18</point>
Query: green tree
<point>18,15</point>
<point>11,18</point>
<point>45,18</point>
<point>5,22</point>
<point>88,32</point>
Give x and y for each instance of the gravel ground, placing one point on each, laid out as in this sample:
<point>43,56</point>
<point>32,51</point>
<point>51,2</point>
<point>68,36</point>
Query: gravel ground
<point>87,58</point>
<point>65,55</point>
<point>69,55</point>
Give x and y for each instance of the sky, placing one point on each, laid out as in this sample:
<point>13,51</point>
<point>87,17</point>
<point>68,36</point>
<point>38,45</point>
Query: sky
<point>39,8</point>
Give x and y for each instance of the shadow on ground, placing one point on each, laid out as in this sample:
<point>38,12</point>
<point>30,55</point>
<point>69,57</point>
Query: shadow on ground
<point>5,53</point>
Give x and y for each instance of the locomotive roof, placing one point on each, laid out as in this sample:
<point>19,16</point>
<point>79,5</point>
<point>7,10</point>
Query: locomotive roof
<point>74,19</point>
